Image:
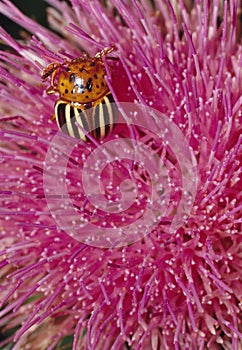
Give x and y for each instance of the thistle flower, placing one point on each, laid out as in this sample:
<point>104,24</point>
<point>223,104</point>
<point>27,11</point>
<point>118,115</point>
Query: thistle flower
<point>171,281</point>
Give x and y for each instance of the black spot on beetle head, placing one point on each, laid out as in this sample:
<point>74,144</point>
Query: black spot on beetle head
<point>89,85</point>
<point>82,69</point>
<point>72,77</point>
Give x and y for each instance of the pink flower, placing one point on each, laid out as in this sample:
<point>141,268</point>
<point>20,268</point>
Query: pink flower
<point>152,262</point>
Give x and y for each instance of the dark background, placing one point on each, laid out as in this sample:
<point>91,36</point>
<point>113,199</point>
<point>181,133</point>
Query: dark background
<point>35,9</point>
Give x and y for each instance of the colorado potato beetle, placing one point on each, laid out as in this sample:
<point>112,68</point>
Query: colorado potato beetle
<point>84,96</point>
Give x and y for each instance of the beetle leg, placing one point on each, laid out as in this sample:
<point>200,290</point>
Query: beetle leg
<point>54,74</point>
<point>51,90</point>
<point>52,69</point>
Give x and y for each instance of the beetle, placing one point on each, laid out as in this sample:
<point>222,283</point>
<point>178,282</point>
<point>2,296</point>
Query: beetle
<point>84,96</point>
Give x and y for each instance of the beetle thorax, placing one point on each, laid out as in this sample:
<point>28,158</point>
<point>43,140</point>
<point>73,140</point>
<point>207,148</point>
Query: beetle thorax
<point>83,81</point>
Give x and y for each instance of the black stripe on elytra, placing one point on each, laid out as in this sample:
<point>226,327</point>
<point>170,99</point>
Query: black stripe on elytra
<point>61,113</point>
<point>110,98</point>
<point>106,118</point>
<point>73,122</point>
<point>84,120</point>
<point>96,130</point>
<point>114,108</point>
